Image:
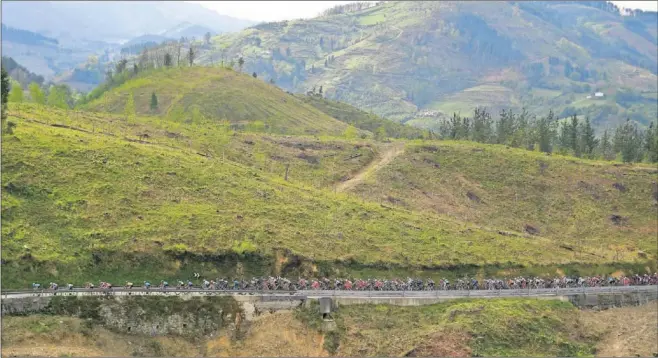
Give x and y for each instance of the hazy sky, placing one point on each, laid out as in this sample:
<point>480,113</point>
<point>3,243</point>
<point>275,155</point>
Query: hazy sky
<point>270,10</point>
<point>287,10</point>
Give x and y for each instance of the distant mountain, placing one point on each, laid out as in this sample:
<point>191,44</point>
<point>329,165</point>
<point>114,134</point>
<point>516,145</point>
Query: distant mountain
<point>188,30</point>
<point>144,39</point>
<point>26,37</point>
<point>55,39</point>
<point>112,21</point>
<point>20,73</point>
<point>44,55</point>
<point>418,62</point>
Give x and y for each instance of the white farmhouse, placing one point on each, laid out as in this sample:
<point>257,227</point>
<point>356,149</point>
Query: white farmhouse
<point>598,94</point>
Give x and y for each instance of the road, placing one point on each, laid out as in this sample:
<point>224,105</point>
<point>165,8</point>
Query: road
<point>331,293</point>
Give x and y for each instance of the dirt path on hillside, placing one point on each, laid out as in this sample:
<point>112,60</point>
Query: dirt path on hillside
<point>386,157</point>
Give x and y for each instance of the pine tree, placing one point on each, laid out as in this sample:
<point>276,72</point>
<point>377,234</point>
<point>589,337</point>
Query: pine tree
<point>504,127</point>
<point>465,129</point>
<point>630,142</point>
<point>454,126</point>
<point>254,75</point>
<point>481,125</point>
<point>574,137</point>
<point>588,139</point>
<point>522,136</point>
<point>154,102</point>
<point>564,137</point>
<point>5,95</point>
<point>607,151</point>
<point>651,143</point>
<point>191,55</point>
<point>240,63</point>
<point>546,132</point>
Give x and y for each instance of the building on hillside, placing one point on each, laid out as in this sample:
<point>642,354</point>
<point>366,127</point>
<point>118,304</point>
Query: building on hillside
<point>589,97</point>
<point>599,94</point>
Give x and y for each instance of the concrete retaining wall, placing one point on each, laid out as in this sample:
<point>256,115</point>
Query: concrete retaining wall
<point>29,303</point>
<point>607,300</point>
<point>412,301</point>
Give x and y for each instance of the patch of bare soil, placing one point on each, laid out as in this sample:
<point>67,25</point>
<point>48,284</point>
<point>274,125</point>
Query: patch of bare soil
<point>443,344</point>
<point>276,334</point>
<point>626,331</point>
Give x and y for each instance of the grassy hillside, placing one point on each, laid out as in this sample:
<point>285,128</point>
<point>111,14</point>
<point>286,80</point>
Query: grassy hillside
<point>466,328</point>
<point>79,205</point>
<point>381,127</point>
<point>458,328</point>
<point>188,94</point>
<point>321,162</point>
<point>85,203</point>
<point>609,207</point>
<point>420,61</point>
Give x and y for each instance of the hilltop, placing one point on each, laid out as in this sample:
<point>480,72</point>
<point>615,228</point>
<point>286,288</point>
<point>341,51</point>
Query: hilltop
<point>418,62</point>
<point>192,93</point>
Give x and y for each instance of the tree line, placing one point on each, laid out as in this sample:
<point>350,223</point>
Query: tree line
<point>571,136</point>
<point>60,96</point>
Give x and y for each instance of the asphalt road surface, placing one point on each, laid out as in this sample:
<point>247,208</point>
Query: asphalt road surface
<point>7,294</point>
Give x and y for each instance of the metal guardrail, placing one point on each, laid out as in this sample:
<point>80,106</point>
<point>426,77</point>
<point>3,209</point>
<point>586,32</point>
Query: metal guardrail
<point>337,293</point>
